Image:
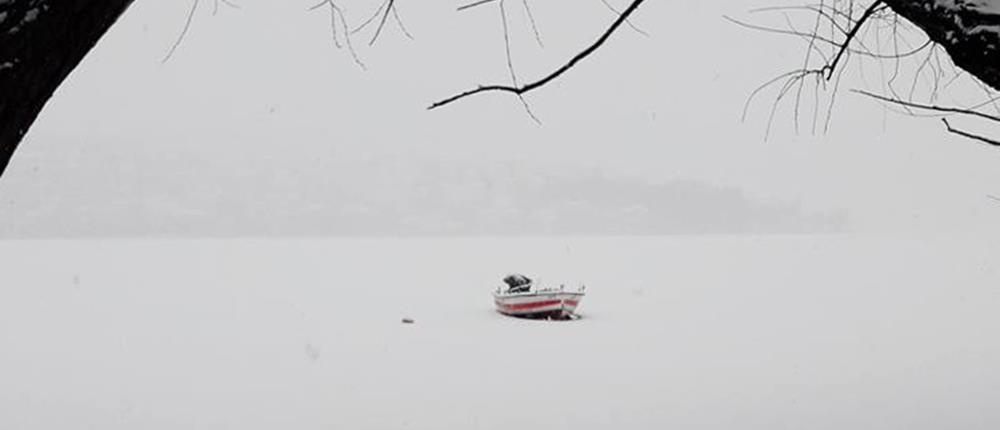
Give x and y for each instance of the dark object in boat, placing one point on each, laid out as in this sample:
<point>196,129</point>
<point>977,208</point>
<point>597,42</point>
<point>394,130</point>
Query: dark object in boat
<point>517,283</point>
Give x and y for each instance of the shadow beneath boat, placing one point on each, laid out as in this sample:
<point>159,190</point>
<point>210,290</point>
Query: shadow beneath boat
<point>544,317</point>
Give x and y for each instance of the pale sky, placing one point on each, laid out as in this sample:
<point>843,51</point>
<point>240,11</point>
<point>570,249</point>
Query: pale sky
<point>263,91</point>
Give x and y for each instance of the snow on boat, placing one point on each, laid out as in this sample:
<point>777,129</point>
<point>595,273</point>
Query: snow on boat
<point>522,298</point>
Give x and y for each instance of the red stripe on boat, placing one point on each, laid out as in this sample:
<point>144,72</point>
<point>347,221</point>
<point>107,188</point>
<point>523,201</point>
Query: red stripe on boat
<point>572,302</point>
<point>530,305</point>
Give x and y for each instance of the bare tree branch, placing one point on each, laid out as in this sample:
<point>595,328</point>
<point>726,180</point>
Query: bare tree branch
<point>381,23</point>
<point>372,18</point>
<point>381,14</point>
<point>968,135</point>
<point>936,108</point>
<point>534,26</point>
<point>519,90</point>
<point>347,35</point>
<point>184,31</point>
<point>506,44</point>
<point>841,40</point>
<point>399,22</point>
<point>215,6</point>
<point>967,32</point>
<point>510,62</point>
<point>828,41</point>
<point>333,19</point>
<point>850,36</point>
<point>474,4</point>
<point>627,21</point>
<point>811,8</point>
<point>337,14</point>
<point>746,105</point>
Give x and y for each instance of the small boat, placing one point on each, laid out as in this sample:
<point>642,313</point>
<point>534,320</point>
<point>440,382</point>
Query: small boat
<point>522,298</point>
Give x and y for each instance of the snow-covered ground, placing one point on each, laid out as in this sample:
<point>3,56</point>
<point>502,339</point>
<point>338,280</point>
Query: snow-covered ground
<point>714,332</point>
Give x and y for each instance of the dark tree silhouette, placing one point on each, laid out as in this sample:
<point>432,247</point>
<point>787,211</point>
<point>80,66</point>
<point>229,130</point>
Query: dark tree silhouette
<point>41,42</point>
<point>968,31</point>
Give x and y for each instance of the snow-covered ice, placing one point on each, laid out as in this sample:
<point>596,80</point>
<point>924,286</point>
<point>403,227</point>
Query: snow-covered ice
<point>714,332</point>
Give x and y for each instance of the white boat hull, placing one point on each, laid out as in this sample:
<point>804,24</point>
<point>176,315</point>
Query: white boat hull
<point>542,304</point>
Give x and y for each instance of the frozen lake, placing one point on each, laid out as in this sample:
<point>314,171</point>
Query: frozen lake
<point>714,332</point>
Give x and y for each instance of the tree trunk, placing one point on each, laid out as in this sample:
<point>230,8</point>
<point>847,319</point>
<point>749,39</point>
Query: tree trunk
<point>968,29</point>
<point>41,41</point>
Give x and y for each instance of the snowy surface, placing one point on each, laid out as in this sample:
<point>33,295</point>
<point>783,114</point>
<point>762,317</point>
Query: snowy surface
<point>715,332</point>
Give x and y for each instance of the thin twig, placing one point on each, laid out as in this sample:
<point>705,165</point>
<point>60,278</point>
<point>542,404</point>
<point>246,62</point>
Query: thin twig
<point>335,13</point>
<point>347,37</point>
<point>506,44</point>
<point>187,26</point>
<point>333,28</point>
<point>847,39</point>
<point>627,21</point>
<point>805,65</point>
<point>510,62</point>
<point>474,4</point>
<point>215,6</point>
<point>527,109</point>
<point>378,30</point>
<point>833,98</point>
<point>746,105</point>
<point>989,93</point>
<point>534,27</point>
<point>815,9</point>
<point>936,108</point>
<point>807,36</point>
<point>378,13</point>
<point>333,20</point>
<point>399,22</point>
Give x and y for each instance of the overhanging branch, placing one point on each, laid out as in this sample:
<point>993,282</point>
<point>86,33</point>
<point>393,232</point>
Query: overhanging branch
<point>968,135</point>
<point>935,108</point>
<point>520,90</point>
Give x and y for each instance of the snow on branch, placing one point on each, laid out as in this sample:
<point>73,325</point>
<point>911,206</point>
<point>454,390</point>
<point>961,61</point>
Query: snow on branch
<point>968,29</point>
